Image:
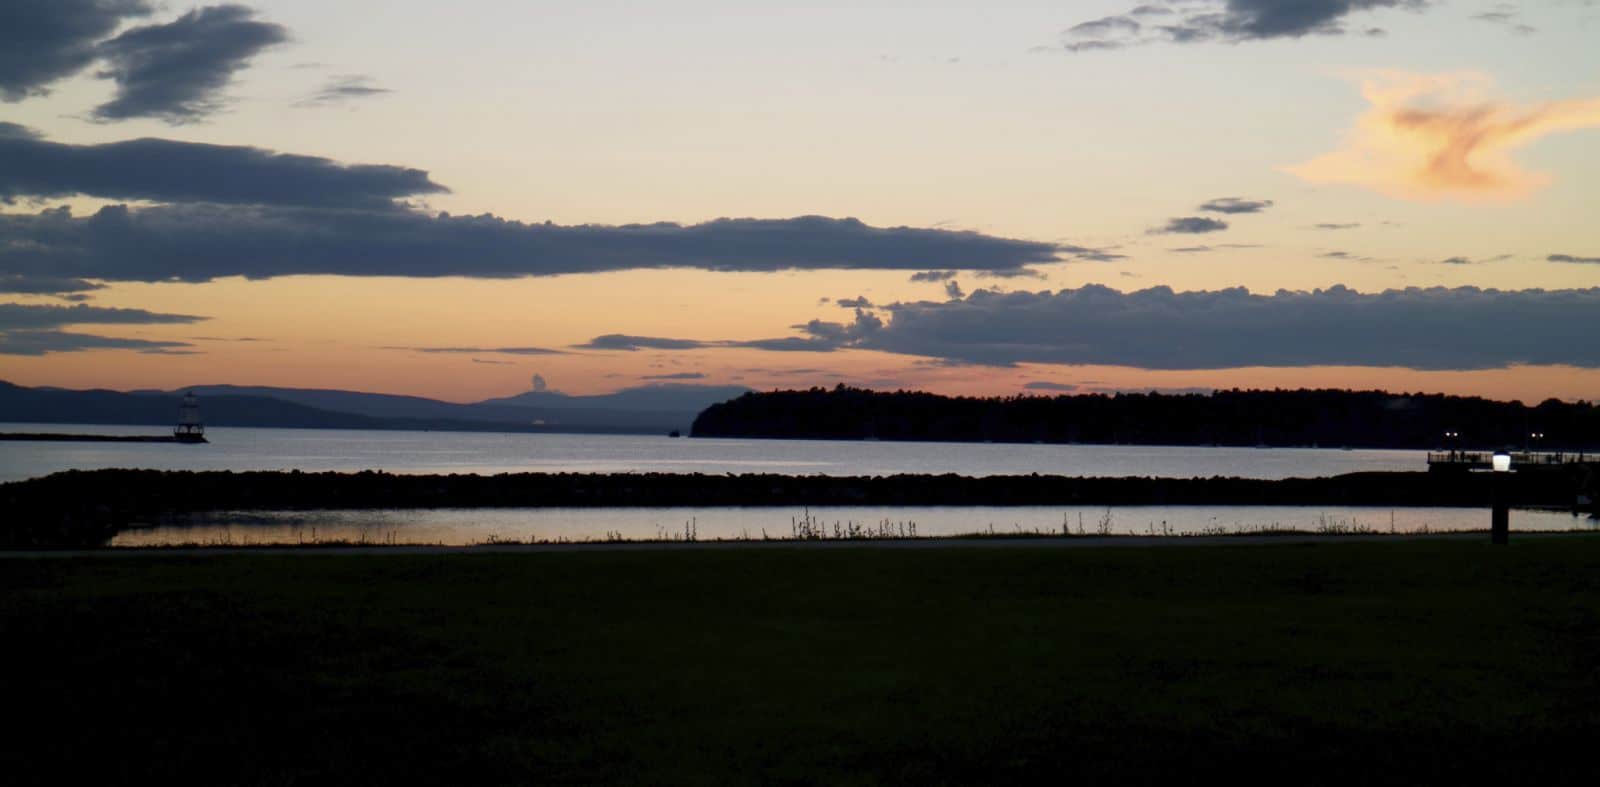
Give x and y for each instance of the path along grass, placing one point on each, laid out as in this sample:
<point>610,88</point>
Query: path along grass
<point>1330,663</point>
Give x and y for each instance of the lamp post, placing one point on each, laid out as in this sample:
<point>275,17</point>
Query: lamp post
<point>1499,515</point>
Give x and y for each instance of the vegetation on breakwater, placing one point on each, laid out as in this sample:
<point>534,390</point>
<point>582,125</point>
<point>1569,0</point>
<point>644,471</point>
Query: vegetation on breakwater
<point>87,508</point>
<point>1410,662</point>
<point>1329,418</point>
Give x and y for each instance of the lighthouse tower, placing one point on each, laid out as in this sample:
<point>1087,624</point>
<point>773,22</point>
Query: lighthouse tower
<point>189,428</point>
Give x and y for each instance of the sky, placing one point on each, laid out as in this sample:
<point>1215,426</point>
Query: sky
<point>970,198</point>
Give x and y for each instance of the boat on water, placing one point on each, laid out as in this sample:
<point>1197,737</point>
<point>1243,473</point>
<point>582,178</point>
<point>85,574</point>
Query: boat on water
<point>189,428</point>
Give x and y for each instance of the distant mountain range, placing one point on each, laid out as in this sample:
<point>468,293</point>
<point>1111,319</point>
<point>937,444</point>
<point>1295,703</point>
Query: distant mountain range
<point>641,410</point>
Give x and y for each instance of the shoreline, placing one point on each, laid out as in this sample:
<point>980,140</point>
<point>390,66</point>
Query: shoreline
<point>956,542</point>
<point>88,508</point>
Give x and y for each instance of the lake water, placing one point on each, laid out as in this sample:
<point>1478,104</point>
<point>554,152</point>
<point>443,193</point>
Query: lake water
<point>481,452</point>
<point>480,526</point>
<point>487,452</point>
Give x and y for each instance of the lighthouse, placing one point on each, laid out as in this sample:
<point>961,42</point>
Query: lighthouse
<point>189,428</point>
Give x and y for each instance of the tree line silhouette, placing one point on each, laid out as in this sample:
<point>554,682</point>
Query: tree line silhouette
<point>1306,417</point>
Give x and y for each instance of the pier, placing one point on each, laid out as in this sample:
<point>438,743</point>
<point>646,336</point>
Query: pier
<point>1465,461</point>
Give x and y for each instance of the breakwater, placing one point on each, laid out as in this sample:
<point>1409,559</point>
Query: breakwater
<point>51,437</point>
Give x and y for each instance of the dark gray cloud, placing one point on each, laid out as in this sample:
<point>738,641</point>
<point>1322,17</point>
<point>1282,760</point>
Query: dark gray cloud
<point>1015,273</point>
<point>1228,21</point>
<point>200,242</point>
<point>622,342</point>
<point>1040,385</point>
<point>1438,328</point>
<point>1571,258</point>
<point>675,376</point>
<point>160,170</point>
<point>46,342</point>
<point>176,71</point>
<point>953,289</point>
<point>933,276</point>
<point>45,285</point>
<point>1090,253</point>
<point>24,316</point>
<point>1190,225</point>
<point>1234,205</point>
<point>478,350</point>
<point>42,41</point>
<point>30,329</point>
<point>1464,328</point>
<point>858,302</point>
<point>819,336</point>
<point>342,90</point>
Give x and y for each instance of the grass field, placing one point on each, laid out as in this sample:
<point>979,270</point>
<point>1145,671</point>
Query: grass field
<point>1359,663</point>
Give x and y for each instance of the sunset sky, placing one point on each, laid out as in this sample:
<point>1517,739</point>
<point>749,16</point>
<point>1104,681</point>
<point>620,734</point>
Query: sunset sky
<point>964,197</point>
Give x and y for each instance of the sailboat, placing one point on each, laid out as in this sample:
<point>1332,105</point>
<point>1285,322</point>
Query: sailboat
<point>189,428</point>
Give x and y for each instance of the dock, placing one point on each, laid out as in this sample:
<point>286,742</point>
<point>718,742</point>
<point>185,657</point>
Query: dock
<point>1466,461</point>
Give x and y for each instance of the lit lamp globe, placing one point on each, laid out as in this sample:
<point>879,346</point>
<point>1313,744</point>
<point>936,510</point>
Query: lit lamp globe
<point>1502,462</point>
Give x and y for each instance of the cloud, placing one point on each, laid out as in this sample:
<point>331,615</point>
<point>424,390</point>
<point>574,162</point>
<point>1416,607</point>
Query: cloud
<point>29,329</point>
<point>1233,205</point>
<point>343,90</point>
<point>1039,385</point>
<point>1570,258</point>
<point>1015,273</point>
<point>539,385</point>
<point>933,276</point>
<point>46,342</point>
<point>1090,253</point>
<point>201,242</point>
<point>675,376</point>
<point>1464,328</point>
<point>479,350</point>
<point>1438,328</point>
<point>952,289</point>
<point>15,316</point>
<point>819,336</point>
<point>160,170</point>
<point>45,285</point>
<point>1205,248</point>
<point>176,71</point>
<point>42,41</point>
<point>1190,225</point>
<point>1507,16</point>
<point>492,363</point>
<point>1431,137</point>
<point>1225,21</point>
<point>1334,227</point>
<point>625,343</point>
<point>858,302</point>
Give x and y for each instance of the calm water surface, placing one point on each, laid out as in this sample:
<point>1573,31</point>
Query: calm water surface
<point>480,452</point>
<point>485,452</point>
<point>479,526</point>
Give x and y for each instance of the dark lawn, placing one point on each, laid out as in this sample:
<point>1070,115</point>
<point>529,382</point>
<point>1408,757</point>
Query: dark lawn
<point>1399,662</point>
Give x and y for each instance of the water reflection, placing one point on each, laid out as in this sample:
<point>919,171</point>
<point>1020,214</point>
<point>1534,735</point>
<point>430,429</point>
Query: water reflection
<point>481,526</point>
